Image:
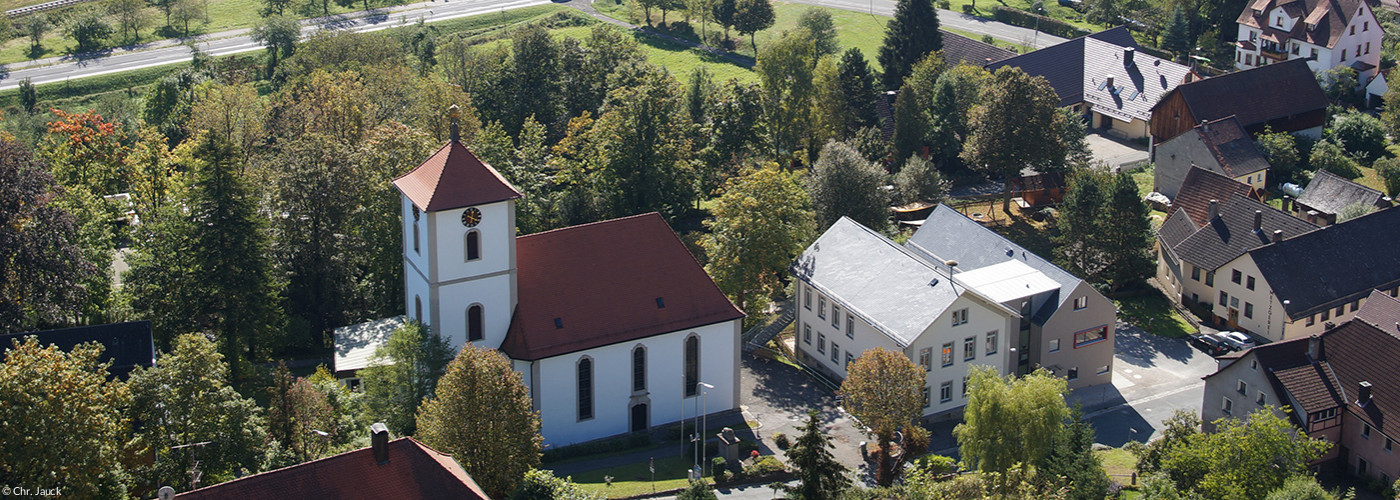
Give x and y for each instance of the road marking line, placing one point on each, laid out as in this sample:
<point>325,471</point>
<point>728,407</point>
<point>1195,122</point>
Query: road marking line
<point>1138,401</point>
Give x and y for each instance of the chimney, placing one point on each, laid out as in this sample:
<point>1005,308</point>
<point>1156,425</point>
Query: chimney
<point>1214,210</point>
<point>1278,235</point>
<point>453,114</point>
<point>1315,348</point>
<point>379,441</point>
<point>1258,221</point>
<point>1312,216</point>
<point>1109,81</point>
<point>1205,126</point>
<point>1363,393</point>
<point>1128,56</point>
<point>1287,203</point>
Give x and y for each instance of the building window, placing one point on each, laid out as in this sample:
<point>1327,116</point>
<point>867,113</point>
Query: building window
<point>1314,53</point>
<point>639,369</point>
<point>1054,345</point>
<point>1248,310</point>
<point>1081,302</point>
<point>925,394</point>
<point>1366,26</point>
<point>1224,298</point>
<point>473,245</point>
<point>1388,445</point>
<point>1090,336</point>
<point>1368,47</point>
<point>1210,278</point>
<point>692,365</point>
<point>964,386</point>
<point>415,239</point>
<point>836,317</point>
<point>1227,406</point>
<point>807,334</point>
<point>1356,305</point>
<point>849,359</point>
<point>418,308</point>
<point>969,348</point>
<point>1254,364</point>
<point>1344,54</point>
<point>1353,30</point>
<point>1073,374</point>
<point>1261,399</point>
<point>821,307</point>
<point>475,329</point>
<point>1312,319</point>
<point>991,342</point>
<point>807,299</point>
<point>960,317</point>
<point>850,326</point>
<point>1249,283</point>
<point>1102,370</point>
<point>835,353</point>
<point>945,392</point>
<point>1242,387</point>
<point>585,388</point>
<point>948,354</point>
<point>1236,276</point>
<point>1361,467</point>
<point>1195,273</point>
<point>1365,431</point>
<point>1342,309</point>
<point>926,358</point>
<point>1326,314</point>
<point>821,343</point>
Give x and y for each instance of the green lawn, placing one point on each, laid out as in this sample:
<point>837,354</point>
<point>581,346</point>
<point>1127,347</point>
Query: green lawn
<point>635,479</point>
<point>1052,9</point>
<point>678,59</point>
<point>1117,462</point>
<point>1154,314</point>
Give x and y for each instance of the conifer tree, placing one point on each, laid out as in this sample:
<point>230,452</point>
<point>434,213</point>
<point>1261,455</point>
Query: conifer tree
<point>819,475</point>
<point>858,91</point>
<point>911,35</point>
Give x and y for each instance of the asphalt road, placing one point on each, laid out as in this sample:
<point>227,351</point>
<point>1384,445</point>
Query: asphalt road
<point>57,69</point>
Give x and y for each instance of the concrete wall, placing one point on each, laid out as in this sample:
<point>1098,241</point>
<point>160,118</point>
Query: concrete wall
<point>555,380</point>
<point>1094,361</point>
<point>439,276</point>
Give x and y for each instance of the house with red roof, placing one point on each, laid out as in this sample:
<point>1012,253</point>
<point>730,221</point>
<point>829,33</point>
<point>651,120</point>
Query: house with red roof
<point>1325,33</point>
<point>614,326</point>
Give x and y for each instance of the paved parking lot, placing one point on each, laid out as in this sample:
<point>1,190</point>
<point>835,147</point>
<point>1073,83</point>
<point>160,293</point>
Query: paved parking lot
<point>1114,151</point>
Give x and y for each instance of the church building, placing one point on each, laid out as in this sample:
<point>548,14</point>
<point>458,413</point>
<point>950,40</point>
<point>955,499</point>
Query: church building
<point>614,326</point>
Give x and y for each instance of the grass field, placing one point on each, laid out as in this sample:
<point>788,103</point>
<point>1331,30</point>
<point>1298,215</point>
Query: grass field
<point>1117,462</point>
<point>635,479</point>
<point>1154,314</point>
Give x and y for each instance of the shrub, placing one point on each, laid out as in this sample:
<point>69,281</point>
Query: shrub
<point>764,466</point>
<point>1389,170</point>
<point>968,9</point>
<point>719,463</point>
<point>939,465</point>
<point>945,4</point>
<point>1327,155</point>
<point>781,440</point>
<point>1017,17</point>
<point>1361,135</point>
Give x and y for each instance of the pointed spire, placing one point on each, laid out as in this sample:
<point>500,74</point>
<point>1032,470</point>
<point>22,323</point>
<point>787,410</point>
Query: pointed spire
<point>453,114</point>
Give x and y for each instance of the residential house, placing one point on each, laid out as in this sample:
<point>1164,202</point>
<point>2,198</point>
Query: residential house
<point>1328,194</point>
<point>1325,33</point>
<point>1065,325</point>
<point>355,346</point>
<point>858,291</point>
<point>613,326</point>
<point>1221,146</point>
<point>1283,97</point>
<point>1103,77</point>
<point>126,345</point>
<point>1338,385</point>
<point>401,469</point>
<point>1200,187</point>
<point>1203,265</point>
<point>958,49</point>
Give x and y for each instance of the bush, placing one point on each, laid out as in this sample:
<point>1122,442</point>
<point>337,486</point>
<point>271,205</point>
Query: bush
<point>781,440</point>
<point>698,490</point>
<point>764,466</point>
<point>938,464</point>
<point>1017,17</point>
<point>1389,171</point>
<point>967,9</point>
<point>719,464</point>
<point>1327,155</point>
<point>945,4</point>
<point>1361,135</point>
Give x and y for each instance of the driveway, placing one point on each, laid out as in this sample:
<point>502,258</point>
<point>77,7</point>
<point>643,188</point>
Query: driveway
<point>1114,151</point>
<point>778,396</point>
<point>1152,378</point>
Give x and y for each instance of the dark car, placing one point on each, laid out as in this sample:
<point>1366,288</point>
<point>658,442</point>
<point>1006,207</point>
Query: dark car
<point>1210,343</point>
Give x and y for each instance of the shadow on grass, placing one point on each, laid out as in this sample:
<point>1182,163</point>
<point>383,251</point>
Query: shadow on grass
<point>654,41</point>
<point>36,51</point>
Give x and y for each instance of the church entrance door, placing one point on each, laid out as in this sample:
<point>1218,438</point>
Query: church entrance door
<point>639,417</point>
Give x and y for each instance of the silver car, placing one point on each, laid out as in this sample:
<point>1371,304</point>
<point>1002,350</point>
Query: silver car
<point>1237,341</point>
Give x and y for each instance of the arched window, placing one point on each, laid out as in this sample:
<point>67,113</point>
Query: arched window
<point>473,245</point>
<point>639,369</point>
<point>692,365</point>
<point>418,308</point>
<point>475,330</point>
<point>585,388</point>
<point>415,239</point>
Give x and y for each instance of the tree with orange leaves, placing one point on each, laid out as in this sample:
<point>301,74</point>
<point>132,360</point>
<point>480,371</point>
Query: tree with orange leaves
<point>85,150</point>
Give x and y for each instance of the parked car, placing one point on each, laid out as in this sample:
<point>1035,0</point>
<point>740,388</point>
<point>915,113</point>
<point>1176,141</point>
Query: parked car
<point>1237,341</point>
<point>1211,343</point>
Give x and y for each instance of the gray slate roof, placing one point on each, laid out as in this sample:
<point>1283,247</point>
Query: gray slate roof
<point>1063,64</point>
<point>1333,265</point>
<point>961,49</point>
<point>950,235</point>
<point>1176,229</point>
<point>1329,193</point>
<point>1136,86</point>
<point>1231,234</point>
<point>883,283</point>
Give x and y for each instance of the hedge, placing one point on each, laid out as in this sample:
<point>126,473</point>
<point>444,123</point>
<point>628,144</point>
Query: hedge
<point>1017,17</point>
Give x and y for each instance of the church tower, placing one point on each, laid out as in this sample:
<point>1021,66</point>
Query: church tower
<point>458,218</point>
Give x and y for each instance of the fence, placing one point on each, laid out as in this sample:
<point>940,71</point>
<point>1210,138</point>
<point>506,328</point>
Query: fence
<point>33,9</point>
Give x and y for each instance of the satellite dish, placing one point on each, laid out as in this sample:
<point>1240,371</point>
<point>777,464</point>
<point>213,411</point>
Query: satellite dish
<point>165,493</point>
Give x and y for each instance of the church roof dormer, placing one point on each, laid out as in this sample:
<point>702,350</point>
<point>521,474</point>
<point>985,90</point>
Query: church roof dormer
<point>454,177</point>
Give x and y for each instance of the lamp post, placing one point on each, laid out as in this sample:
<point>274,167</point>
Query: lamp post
<point>1035,8</point>
<point>704,419</point>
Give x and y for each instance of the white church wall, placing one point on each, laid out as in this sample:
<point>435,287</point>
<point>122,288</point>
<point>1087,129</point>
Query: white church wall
<point>497,233</point>
<point>493,293</point>
<point>612,386</point>
<point>416,257</point>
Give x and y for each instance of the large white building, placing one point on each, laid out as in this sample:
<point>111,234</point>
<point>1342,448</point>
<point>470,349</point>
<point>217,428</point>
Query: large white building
<point>613,325</point>
<point>1326,33</point>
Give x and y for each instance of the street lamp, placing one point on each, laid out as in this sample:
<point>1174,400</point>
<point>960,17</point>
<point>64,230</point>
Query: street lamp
<point>1035,8</point>
<point>704,419</point>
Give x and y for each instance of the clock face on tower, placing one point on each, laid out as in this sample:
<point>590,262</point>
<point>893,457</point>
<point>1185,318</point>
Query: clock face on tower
<point>471,217</point>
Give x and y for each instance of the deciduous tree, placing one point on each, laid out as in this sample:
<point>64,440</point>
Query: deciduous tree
<point>405,372</point>
<point>817,21</point>
<point>279,34</point>
<point>644,159</point>
<point>884,390</point>
<point>911,35</point>
<point>1008,128</point>
<point>1010,420</point>
<point>89,28</point>
<point>1328,155</point>
<point>1244,460</point>
<point>297,413</point>
<point>64,419</point>
<point>1280,149</point>
<point>843,183</point>
<point>753,16</point>
<point>1361,135</point>
<point>481,415</point>
<point>920,180</point>
<point>761,222</point>
<point>131,16</point>
<point>786,68</point>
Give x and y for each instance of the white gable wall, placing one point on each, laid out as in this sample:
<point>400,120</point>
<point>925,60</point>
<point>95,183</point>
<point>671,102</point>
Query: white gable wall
<point>982,318</point>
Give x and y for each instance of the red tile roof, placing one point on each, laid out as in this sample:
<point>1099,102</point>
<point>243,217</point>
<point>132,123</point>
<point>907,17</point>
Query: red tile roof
<point>597,284</point>
<point>1200,186</point>
<point>414,471</point>
<point>1381,311</point>
<point>453,177</point>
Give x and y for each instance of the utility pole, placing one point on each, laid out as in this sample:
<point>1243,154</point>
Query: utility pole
<point>194,464</point>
